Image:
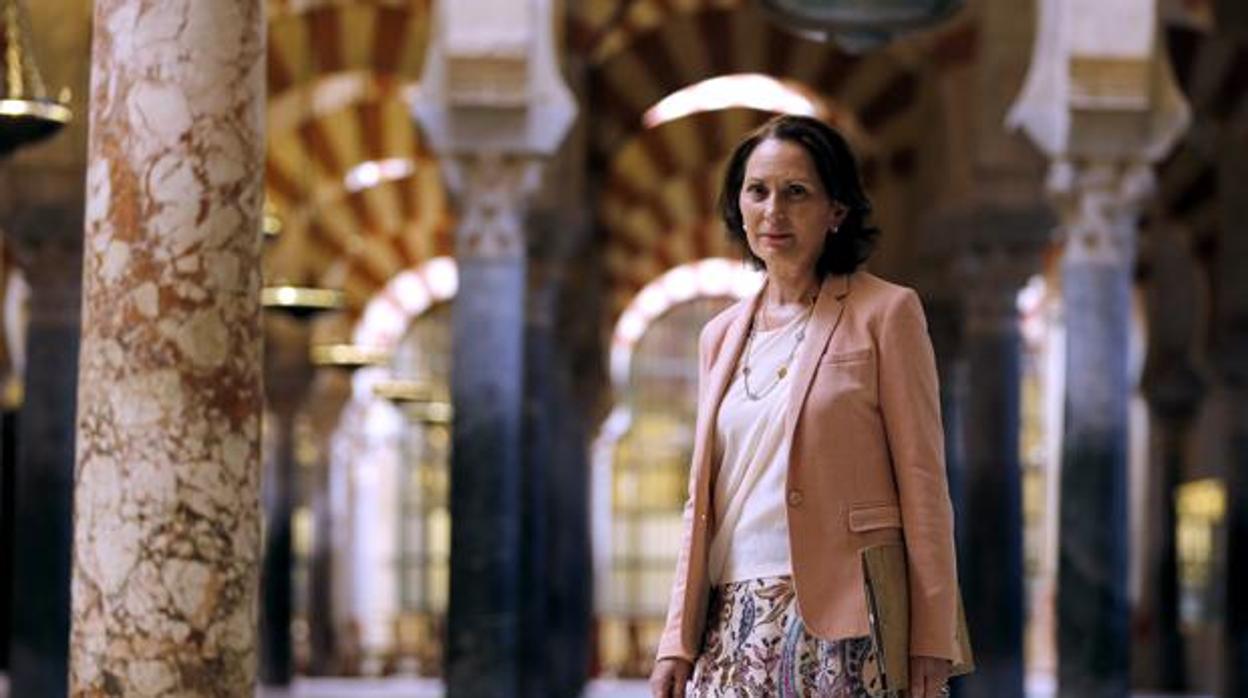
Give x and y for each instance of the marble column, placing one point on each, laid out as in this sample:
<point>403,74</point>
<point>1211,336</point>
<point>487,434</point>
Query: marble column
<point>494,117</point>
<point>45,233</point>
<point>484,640</point>
<point>559,573</point>
<point>287,378</point>
<point>1174,389</point>
<point>1231,361</point>
<point>1003,253</point>
<point>1099,206</point>
<point>167,512</point>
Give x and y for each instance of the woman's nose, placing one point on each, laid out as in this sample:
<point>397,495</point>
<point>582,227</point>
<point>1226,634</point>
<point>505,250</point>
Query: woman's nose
<point>773,208</point>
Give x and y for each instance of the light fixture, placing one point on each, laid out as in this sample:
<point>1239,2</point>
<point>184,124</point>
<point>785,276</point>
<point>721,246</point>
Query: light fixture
<point>347,356</point>
<point>745,90</point>
<point>860,26</point>
<point>27,115</point>
<point>270,223</point>
<point>300,302</point>
<point>373,172</point>
<point>418,399</point>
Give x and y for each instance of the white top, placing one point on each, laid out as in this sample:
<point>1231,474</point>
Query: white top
<point>751,537</point>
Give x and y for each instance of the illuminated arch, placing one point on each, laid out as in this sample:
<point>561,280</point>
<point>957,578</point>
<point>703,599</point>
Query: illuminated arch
<point>387,316</point>
<point>708,278</point>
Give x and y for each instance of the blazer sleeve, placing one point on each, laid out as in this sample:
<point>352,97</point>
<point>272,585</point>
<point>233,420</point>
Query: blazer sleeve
<point>910,405</point>
<point>672,643</point>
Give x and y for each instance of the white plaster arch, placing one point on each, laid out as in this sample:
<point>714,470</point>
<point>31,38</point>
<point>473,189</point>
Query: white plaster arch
<point>708,278</point>
<point>366,456</point>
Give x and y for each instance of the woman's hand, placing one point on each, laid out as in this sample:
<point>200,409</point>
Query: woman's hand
<point>669,678</point>
<point>929,677</point>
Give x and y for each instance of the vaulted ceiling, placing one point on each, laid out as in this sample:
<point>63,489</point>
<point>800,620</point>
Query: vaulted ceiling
<point>342,73</point>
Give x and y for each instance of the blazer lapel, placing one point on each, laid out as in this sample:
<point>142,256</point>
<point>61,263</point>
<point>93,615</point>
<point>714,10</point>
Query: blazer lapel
<point>720,376</point>
<point>824,320</point>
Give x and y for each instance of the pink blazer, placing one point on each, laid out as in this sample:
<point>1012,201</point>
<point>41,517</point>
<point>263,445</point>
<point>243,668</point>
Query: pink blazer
<point>866,462</point>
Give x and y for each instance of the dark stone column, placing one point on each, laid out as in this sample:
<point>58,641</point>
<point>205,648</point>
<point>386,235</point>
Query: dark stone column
<point>1174,390</point>
<point>8,420</point>
<point>488,548</point>
<point>944,324</point>
<point>47,239</point>
<point>1004,250</point>
<point>288,376</point>
<point>1231,360</point>
<point>558,569</point>
<point>1092,612</point>
<point>331,391</point>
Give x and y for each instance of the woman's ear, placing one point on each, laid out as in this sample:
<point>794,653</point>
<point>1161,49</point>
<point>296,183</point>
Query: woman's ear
<point>837,215</point>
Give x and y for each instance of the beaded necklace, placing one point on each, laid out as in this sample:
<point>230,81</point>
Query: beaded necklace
<point>783,370</point>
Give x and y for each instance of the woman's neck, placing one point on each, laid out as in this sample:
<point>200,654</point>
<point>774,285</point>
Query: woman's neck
<point>789,289</point>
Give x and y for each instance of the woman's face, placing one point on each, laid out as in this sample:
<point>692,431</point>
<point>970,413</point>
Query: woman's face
<point>786,211</point>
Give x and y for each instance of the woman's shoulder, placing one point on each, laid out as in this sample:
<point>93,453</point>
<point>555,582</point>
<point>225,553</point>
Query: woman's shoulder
<point>869,284</point>
<point>720,321</point>
<point>715,328</point>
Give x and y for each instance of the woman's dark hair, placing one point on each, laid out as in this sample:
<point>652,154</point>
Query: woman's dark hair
<point>838,171</point>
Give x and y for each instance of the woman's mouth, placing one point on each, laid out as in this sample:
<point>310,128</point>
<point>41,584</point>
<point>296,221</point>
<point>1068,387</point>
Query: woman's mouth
<point>774,237</point>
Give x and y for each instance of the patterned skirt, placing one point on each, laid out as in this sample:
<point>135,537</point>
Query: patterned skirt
<point>756,646</point>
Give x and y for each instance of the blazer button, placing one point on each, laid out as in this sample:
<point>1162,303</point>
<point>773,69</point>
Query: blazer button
<point>795,498</point>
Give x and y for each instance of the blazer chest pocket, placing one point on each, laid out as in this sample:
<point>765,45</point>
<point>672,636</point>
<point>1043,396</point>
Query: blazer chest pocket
<point>854,356</point>
<point>873,517</point>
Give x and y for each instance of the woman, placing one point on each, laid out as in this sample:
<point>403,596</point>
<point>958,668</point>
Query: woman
<point>818,435</point>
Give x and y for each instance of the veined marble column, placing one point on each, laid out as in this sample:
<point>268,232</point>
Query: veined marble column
<point>1099,210</point>
<point>167,512</point>
<point>1231,359</point>
<point>1004,252</point>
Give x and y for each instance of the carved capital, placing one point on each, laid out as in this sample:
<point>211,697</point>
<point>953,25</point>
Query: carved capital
<point>41,206</point>
<point>993,276</point>
<point>288,370</point>
<point>991,251</point>
<point>494,192</point>
<point>1099,205</point>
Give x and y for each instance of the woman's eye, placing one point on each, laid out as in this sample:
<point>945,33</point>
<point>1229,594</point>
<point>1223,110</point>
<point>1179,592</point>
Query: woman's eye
<point>756,189</point>
<point>796,190</point>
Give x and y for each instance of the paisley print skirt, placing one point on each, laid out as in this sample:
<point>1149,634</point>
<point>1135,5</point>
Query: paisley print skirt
<point>756,646</point>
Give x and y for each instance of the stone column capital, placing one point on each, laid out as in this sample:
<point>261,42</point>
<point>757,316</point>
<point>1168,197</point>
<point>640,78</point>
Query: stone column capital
<point>288,370</point>
<point>41,208</point>
<point>493,191</point>
<point>1098,204</point>
<point>991,250</point>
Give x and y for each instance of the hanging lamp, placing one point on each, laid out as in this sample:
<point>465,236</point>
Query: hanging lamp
<point>857,25</point>
<point>347,357</point>
<point>300,302</point>
<point>27,115</point>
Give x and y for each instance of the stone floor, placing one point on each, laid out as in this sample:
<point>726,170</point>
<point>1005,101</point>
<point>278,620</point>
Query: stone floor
<point>1037,687</point>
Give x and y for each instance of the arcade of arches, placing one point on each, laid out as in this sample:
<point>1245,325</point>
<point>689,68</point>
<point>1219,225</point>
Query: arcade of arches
<point>470,465</point>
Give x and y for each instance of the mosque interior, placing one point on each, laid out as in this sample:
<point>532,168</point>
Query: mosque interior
<point>355,340</point>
